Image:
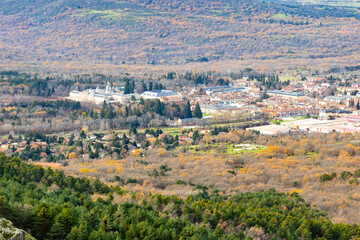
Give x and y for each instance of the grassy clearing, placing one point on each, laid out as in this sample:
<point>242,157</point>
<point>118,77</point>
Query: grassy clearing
<point>285,78</point>
<point>226,148</point>
<point>311,154</point>
<point>281,16</point>
<point>172,131</point>
<point>243,148</point>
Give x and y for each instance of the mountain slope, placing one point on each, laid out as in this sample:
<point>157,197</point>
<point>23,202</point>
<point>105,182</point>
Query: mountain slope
<point>348,3</point>
<point>55,206</point>
<point>164,32</point>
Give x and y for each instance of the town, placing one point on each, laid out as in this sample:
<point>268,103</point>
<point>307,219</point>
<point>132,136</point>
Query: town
<point>258,103</point>
<point>315,104</point>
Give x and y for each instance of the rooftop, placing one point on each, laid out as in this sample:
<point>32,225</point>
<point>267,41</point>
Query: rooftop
<point>280,92</point>
<point>159,93</point>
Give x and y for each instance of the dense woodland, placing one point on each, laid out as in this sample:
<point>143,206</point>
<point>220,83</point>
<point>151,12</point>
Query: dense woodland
<point>52,206</point>
<point>15,83</point>
<point>53,116</point>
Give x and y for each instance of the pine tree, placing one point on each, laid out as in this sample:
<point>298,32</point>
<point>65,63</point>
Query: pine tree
<point>102,113</point>
<point>128,87</point>
<point>82,134</point>
<point>57,231</point>
<point>187,112</point>
<point>158,107</point>
<point>150,86</point>
<point>144,86</point>
<point>132,87</point>
<point>197,111</point>
<point>110,112</point>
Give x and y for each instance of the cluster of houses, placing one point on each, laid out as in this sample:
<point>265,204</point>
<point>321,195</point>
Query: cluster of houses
<point>343,124</point>
<point>248,99</point>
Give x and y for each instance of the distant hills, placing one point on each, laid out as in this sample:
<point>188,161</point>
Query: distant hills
<point>350,3</point>
<point>163,33</point>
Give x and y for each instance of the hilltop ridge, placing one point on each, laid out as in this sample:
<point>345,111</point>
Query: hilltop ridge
<point>162,33</point>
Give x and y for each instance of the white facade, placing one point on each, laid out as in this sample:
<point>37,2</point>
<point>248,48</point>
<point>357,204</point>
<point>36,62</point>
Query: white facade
<point>98,95</point>
<point>158,94</point>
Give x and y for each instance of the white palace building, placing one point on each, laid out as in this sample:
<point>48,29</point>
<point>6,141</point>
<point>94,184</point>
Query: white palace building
<point>116,95</point>
<point>98,95</point>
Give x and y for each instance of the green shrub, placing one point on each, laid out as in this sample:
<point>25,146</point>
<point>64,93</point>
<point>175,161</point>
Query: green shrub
<point>327,177</point>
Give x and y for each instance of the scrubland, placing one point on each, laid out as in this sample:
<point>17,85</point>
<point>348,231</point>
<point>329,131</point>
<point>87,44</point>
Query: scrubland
<point>292,163</point>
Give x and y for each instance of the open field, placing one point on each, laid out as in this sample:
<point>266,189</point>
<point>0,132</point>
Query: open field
<point>229,148</point>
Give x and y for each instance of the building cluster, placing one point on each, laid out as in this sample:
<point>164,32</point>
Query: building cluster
<point>344,124</point>
<point>115,95</point>
<point>98,96</point>
<point>332,103</point>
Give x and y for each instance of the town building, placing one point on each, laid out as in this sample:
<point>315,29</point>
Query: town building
<point>285,94</point>
<point>225,89</point>
<point>98,96</point>
<point>163,95</point>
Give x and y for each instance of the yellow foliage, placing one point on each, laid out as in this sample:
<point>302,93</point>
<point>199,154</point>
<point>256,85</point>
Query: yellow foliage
<point>299,152</point>
<point>295,191</point>
<point>41,113</point>
<point>275,167</point>
<point>162,152</point>
<point>97,196</point>
<point>145,183</point>
<point>136,152</point>
<point>246,170</point>
<point>112,162</point>
<point>355,196</point>
<point>275,149</point>
<point>119,169</point>
<point>35,147</point>
<point>8,109</point>
<point>221,173</point>
<point>86,170</point>
<point>343,154</point>
<point>63,150</point>
<point>305,168</point>
<point>288,151</point>
<point>207,138</point>
<point>184,174</point>
<point>152,141</point>
<point>72,155</point>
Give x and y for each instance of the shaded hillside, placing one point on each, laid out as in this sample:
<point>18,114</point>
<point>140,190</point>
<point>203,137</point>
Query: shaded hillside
<point>158,32</point>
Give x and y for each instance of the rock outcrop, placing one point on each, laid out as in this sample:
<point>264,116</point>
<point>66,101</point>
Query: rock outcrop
<point>9,232</point>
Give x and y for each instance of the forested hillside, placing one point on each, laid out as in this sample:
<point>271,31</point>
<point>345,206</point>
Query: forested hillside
<point>52,206</point>
<point>119,36</point>
<point>347,3</point>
